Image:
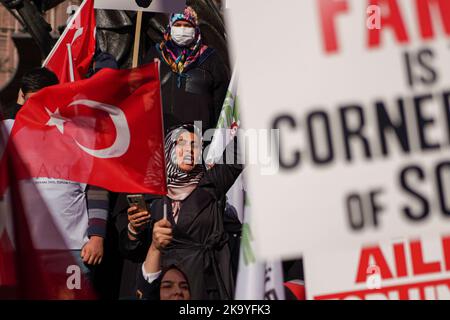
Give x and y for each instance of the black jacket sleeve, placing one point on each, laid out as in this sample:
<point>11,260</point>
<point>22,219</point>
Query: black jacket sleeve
<point>145,290</point>
<point>134,250</point>
<point>222,176</point>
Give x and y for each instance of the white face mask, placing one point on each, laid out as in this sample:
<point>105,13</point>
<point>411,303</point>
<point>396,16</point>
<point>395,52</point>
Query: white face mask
<point>182,36</point>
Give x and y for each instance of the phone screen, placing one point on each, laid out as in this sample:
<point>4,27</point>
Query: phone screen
<point>137,200</point>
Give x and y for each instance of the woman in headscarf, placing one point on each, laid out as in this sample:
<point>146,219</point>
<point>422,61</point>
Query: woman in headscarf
<point>194,79</point>
<point>194,239</point>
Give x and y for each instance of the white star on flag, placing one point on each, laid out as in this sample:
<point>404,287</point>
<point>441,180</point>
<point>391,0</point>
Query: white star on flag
<point>56,119</point>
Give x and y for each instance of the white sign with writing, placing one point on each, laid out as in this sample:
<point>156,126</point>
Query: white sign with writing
<point>416,269</point>
<point>361,96</point>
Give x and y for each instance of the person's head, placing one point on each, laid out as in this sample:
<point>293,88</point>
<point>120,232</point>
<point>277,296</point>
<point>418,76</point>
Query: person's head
<point>104,60</point>
<point>184,147</point>
<point>174,285</point>
<point>183,28</point>
<point>35,80</point>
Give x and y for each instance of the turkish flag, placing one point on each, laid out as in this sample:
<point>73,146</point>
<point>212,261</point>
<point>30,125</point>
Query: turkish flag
<point>105,131</point>
<point>72,54</point>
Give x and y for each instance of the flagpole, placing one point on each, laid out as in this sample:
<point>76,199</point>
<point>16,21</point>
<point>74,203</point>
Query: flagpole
<point>69,53</point>
<point>137,39</point>
<point>165,211</point>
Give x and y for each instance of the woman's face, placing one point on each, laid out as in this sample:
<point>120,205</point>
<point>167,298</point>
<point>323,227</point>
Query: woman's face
<point>174,286</point>
<point>187,151</point>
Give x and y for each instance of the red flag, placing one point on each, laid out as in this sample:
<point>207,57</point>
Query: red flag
<point>7,270</point>
<point>72,54</point>
<point>105,131</point>
<point>35,263</point>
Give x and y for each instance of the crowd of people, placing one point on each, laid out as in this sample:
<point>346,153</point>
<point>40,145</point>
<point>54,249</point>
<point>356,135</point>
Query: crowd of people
<point>184,245</point>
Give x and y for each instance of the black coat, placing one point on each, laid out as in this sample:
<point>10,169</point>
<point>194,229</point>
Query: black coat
<point>200,243</point>
<point>196,95</point>
<point>145,290</point>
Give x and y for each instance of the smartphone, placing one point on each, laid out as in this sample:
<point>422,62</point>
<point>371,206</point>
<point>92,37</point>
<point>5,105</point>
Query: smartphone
<point>137,200</point>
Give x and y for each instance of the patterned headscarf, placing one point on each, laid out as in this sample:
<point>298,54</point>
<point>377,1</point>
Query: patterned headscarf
<point>180,184</point>
<point>180,58</point>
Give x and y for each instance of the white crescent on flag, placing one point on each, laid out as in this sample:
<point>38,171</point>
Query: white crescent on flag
<point>122,142</point>
<point>77,34</point>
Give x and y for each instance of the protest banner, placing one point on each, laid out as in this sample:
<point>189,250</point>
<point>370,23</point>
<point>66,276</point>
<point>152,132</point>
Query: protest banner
<point>414,269</point>
<point>360,91</point>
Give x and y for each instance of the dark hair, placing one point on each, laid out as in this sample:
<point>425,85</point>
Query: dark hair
<point>37,79</point>
<point>173,267</point>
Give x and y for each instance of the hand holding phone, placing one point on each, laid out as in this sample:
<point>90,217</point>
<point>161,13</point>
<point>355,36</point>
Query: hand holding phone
<point>138,215</point>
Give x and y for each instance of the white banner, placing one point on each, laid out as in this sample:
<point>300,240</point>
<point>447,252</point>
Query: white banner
<point>256,279</point>
<point>361,95</point>
<point>417,269</point>
<point>168,6</point>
